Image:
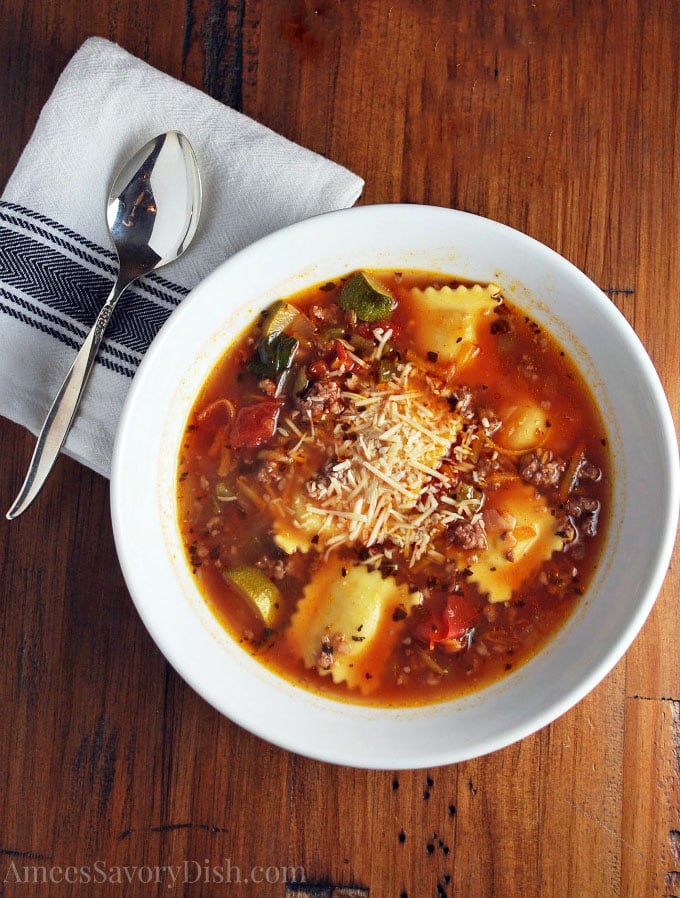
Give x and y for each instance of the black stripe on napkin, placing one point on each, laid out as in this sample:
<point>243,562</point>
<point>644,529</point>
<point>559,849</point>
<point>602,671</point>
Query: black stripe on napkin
<point>56,280</point>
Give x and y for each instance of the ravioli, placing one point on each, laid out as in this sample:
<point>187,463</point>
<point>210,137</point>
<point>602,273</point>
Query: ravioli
<point>345,625</point>
<point>520,529</point>
<point>449,320</point>
<point>294,533</point>
<point>523,427</point>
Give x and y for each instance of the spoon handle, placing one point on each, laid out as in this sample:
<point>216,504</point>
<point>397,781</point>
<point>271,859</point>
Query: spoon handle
<point>62,411</point>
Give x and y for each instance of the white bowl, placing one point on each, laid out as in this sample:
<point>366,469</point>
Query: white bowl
<point>643,518</point>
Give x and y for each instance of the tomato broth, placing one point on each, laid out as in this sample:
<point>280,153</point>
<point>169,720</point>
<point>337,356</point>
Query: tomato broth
<point>393,488</point>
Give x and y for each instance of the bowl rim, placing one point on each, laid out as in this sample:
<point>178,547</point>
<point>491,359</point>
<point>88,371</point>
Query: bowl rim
<point>434,756</point>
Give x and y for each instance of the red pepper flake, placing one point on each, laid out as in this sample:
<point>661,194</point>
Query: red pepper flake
<point>500,326</point>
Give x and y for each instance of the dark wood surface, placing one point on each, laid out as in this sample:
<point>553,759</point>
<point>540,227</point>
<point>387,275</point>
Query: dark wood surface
<point>560,119</point>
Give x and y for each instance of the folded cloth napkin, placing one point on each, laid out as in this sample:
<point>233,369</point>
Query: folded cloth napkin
<point>57,263</point>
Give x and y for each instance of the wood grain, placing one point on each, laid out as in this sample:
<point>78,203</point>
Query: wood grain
<point>560,119</point>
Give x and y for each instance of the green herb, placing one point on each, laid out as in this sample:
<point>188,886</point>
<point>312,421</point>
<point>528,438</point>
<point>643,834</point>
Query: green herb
<point>362,344</point>
<point>466,492</point>
<point>333,332</point>
<point>387,370</point>
<point>300,382</point>
<point>367,298</point>
<point>273,356</point>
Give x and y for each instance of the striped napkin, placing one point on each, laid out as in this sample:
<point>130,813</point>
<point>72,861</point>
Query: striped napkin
<point>57,263</point>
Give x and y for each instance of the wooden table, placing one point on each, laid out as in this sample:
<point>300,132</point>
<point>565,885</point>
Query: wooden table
<point>559,119</point>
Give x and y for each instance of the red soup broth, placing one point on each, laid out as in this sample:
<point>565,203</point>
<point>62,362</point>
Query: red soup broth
<point>393,488</point>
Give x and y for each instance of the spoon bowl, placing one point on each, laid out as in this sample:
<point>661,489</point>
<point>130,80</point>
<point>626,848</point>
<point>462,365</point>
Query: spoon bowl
<point>152,212</point>
<point>154,203</point>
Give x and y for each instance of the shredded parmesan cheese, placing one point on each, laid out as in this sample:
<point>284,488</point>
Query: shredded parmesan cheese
<point>385,484</point>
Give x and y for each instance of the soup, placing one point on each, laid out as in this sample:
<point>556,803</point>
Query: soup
<point>393,488</point>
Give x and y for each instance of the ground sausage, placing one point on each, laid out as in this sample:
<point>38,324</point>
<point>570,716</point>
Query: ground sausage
<point>588,471</point>
<point>272,471</point>
<point>585,512</point>
<point>542,473</point>
<point>321,399</point>
<point>469,535</point>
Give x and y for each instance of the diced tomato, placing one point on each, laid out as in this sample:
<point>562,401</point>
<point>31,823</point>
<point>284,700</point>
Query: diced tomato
<point>254,425</point>
<point>336,361</point>
<point>368,330</point>
<point>318,369</point>
<point>339,359</point>
<point>452,623</point>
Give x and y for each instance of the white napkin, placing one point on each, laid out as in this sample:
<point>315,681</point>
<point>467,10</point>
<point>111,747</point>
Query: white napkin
<point>57,264</point>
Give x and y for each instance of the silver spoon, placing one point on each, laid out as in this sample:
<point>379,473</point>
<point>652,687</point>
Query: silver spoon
<point>152,212</point>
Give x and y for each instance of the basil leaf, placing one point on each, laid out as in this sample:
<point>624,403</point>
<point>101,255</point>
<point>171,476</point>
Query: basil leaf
<point>273,356</point>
